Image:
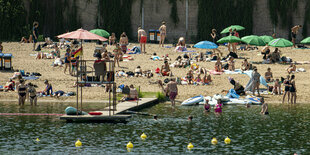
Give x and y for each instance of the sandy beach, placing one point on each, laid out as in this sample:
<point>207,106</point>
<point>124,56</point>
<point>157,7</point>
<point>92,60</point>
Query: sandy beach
<point>24,61</point>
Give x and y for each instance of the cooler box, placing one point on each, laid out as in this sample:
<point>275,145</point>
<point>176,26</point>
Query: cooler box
<point>1,61</point>
<point>7,61</point>
<point>157,36</point>
<point>152,34</point>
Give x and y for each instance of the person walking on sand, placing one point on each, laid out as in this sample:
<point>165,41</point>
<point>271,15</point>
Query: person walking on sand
<point>172,89</point>
<point>35,34</point>
<point>163,32</point>
<point>142,38</point>
<point>294,33</point>
<point>293,90</point>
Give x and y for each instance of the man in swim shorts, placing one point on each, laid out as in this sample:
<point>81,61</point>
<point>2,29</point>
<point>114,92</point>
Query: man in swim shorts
<point>172,90</point>
<point>294,33</point>
<point>142,38</point>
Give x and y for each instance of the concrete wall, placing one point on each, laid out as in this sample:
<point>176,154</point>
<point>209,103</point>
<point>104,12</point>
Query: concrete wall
<point>155,11</point>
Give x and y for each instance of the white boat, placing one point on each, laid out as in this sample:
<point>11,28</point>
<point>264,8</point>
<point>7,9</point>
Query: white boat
<point>193,100</point>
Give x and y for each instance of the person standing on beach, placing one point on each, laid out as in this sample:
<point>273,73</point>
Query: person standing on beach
<point>123,41</point>
<point>294,33</point>
<point>142,38</point>
<point>256,81</point>
<point>1,47</point>
<point>163,32</point>
<point>172,88</point>
<point>35,34</point>
<point>215,38</point>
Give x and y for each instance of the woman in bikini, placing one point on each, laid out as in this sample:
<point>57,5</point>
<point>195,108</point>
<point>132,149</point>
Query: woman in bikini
<point>287,85</point>
<point>112,39</point>
<point>231,64</point>
<point>163,31</point>
<point>117,54</point>
<point>293,90</point>
<point>22,92</point>
<point>218,65</point>
<point>245,65</point>
<point>123,42</point>
<point>32,94</point>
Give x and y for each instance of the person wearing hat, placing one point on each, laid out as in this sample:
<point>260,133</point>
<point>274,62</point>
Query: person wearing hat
<point>48,89</point>
<point>163,31</point>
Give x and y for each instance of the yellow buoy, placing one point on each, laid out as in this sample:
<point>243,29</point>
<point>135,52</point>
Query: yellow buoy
<point>190,146</point>
<point>227,140</point>
<point>129,145</point>
<point>214,141</point>
<point>143,136</point>
<point>78,143</point>
<point>37,139</point>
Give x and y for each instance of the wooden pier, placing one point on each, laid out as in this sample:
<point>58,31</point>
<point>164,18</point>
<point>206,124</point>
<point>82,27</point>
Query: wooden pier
<point>117,115</point>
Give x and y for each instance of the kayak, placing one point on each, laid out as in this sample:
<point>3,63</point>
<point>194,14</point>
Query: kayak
<point>193,101</point>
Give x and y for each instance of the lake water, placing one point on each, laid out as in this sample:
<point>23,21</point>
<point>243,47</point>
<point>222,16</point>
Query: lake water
<point>284,131</point>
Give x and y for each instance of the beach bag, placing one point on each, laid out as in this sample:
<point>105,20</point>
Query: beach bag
<point>157,70</point>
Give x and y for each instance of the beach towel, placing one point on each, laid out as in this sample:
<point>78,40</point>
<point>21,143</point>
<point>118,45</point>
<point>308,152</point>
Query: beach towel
<point>250,85</point>
<point>136,50</point>
<point>30,77</point>
<point>213,72</point>
<point>237,71</point>
<point>232,94</point>
<point>168,46</point>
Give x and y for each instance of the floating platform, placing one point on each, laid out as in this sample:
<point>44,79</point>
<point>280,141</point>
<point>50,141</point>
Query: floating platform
<point>119,115</point>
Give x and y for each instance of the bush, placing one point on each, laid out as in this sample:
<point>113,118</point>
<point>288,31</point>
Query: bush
<point>161,97</point>
<point>140,94</point>
<point>40,38</point>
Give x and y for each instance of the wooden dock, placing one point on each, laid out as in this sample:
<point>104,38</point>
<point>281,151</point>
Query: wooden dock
<point>119,114</point>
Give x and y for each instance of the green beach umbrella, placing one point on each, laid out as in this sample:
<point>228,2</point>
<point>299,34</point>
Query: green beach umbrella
<point>101,32</point>
<point>266,39</point>
<point>280,42</point>
<point>306,41</point>
<point>253,40</point>
<point>229,39</point>
<point>237,27</point>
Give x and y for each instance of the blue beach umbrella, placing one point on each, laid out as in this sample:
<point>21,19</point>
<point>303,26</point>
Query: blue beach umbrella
<point>206,45</point>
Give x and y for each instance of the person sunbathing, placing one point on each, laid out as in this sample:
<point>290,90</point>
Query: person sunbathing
<point>277,87</point>
<point>291,69</point>
<point>9,86</point>
<point>231,64</point>
<point>268,75</point>
<point>155,57</point>
<point>24,40</point>
<point>138,72</point>
<point>218,65</point>
<point>165,69</point>
<point>245,65</point>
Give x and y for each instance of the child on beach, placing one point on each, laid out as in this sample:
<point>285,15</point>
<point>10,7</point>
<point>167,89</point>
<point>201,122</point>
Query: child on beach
<point>264,107</point>
<point>277,87</point>
<point>32,94</point>
<point>198,80</point>
<point>207,106</point>
<point>48,89</point>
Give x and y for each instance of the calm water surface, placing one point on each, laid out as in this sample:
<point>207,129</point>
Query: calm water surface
<point>284,131</point>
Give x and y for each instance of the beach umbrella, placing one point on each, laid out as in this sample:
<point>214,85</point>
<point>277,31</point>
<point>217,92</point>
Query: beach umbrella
<point>253,40</point>
<point>229,39</point>
<point>266,39</point>
<point>280,42</point>
<point>306,41</point>
<point>237,27</point>
<point>100,32</point>
<point>206,45</point>
<point>82,34</point>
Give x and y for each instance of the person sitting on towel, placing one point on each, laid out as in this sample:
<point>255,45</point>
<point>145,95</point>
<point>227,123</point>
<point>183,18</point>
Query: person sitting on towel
<point>165,69</point>
<point>237,87</point>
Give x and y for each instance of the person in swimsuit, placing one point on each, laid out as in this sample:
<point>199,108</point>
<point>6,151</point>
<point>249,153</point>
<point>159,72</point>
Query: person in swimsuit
<point>117,54</point>
<point>218,65</point>
<point>245,65</point>
<point>142,38</point>
<point>264,107</point>
<point>231,64</point>
<point>59,93</point>
<point>123,41</point>
<point>172,89</point>
<point>218,106</point>
<point>268,75</point>
<point>48,89</point>
<point>165,69</point>
<point>138,72</point>
<point>22,92</point>
<point>294,31</point>
<point>68,61</point>
<point>112,39</point>
<point>293,90</point>
<point>189,76</point>
<point>207,106</point>
<point>32,94</point>
<point>277,87</point>
<point>190,118</point>
<point>291,69</point>
<point>163,32</point>
<point>256,81</point>
<point>287,86</point>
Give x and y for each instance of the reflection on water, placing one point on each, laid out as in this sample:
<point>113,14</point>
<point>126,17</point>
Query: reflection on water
<point>284,131</point>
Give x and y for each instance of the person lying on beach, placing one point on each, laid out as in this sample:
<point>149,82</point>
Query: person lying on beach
<point>276,87</point>
<point>58,93</point>
<point>245,65</point>
<point>218,65</point>
<point>58,62</point>
<point>155,57</point>
<point>231,64</point>
<point>268,75</point>
<point>264,107</point>
<point>148,74</point>
<point>165,69</point>
<point>32,94</point>
<point>291,69</point>
<point>121,73</point>
<point>138,72</point>
<point>24,40</point>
